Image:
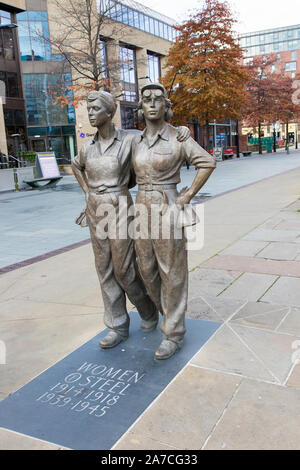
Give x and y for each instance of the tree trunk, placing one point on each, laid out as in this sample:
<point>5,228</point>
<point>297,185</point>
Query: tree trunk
<point>207,137</point>
<point>259,139</point>
<point>287,139</point>
<point>274,144</point>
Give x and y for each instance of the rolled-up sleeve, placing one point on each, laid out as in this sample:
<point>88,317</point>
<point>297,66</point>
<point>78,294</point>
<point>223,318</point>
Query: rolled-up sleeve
<point>196,155</point>
<point>79,160</point>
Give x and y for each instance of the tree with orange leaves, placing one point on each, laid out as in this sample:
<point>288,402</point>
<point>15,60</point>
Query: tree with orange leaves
<point>261,94</point>
<point>286,109</point>
<point>270,96</point>
<point>208,59</point>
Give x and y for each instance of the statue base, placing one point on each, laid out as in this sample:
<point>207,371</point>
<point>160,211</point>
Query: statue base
<point>89,399</point>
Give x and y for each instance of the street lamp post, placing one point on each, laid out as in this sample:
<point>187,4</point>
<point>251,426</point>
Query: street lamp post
<point>276,127</point>
<point>180,72</point>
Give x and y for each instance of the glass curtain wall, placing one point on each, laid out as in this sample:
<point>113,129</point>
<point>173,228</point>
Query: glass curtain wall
<point>138,19</point>
<point>47,120</point>
<point>128,74</point>
<point>154,70</point>
<point>33,32</point>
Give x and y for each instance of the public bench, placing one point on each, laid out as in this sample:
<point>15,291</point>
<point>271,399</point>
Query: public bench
<point>35,184</point>
<point>47,172</point>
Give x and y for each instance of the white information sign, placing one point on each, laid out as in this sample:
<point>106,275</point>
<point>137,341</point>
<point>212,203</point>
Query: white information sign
<point>48,165</point>
<point>218,153</point>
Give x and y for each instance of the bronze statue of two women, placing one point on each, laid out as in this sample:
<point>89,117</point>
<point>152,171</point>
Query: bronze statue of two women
<point>151,271</point>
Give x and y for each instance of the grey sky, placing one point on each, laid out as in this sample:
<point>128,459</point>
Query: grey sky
<point>253,15</point>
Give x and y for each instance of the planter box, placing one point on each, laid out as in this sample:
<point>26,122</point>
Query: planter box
<point>66,169</point>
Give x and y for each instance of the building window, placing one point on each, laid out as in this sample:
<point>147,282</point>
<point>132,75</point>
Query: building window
<point>40,92</point>
<point>12,89</point>
<point>128,74</point>
<point>274,68</point>
<point>154,71</point>
<point>32,27</point>
<point>58,139</point>
<point>103,59</point>
<point>128,117</point>
<point>293,75</point>
<point>278,57</point>
<point>139,20</point>
<point>7,48</point>
<point>294,55</point>
<point>290,66</point>
<point>5,17</point>
<point>292,44</point>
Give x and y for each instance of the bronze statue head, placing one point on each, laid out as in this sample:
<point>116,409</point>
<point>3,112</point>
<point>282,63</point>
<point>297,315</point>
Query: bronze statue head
<point>159,91</point>
<point>100,102</point>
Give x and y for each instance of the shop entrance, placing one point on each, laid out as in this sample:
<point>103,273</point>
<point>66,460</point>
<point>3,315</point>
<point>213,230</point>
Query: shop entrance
<point>38,145</point>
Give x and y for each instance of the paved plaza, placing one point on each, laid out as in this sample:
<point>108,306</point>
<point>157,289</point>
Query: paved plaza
<point>241,389</point>
<point>37,222</point>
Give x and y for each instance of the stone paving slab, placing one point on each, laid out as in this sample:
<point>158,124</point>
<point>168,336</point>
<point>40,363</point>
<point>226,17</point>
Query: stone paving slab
<point>28,310</point>
<point>291,323</point>
<point>260,417</point>
<point>249,286</point>
<point>254,265</point>
<point>280,251</point>
<point>285,291</point>
<point>135,441</point>
<point>273,222</point>
<point>294,379</point>
<point>274,235</point>
<point>185,414</point>
<point>260,315</point>
<point>34,345</point>
<point>290,216</point>
<point>295,206</point>
<point>226,352</point>
<point>210,282</point>
<point>75,289</point>
<point>272,348</point>
<point>10,440</point>
<point>289,224</point>
<point>245,248</point>
<point>213,308</point>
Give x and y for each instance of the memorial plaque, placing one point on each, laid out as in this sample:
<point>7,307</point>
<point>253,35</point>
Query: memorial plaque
<point>46,165</point>
<point>89,399</point>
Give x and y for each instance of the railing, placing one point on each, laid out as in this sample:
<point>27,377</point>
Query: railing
<point>9,161</point>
